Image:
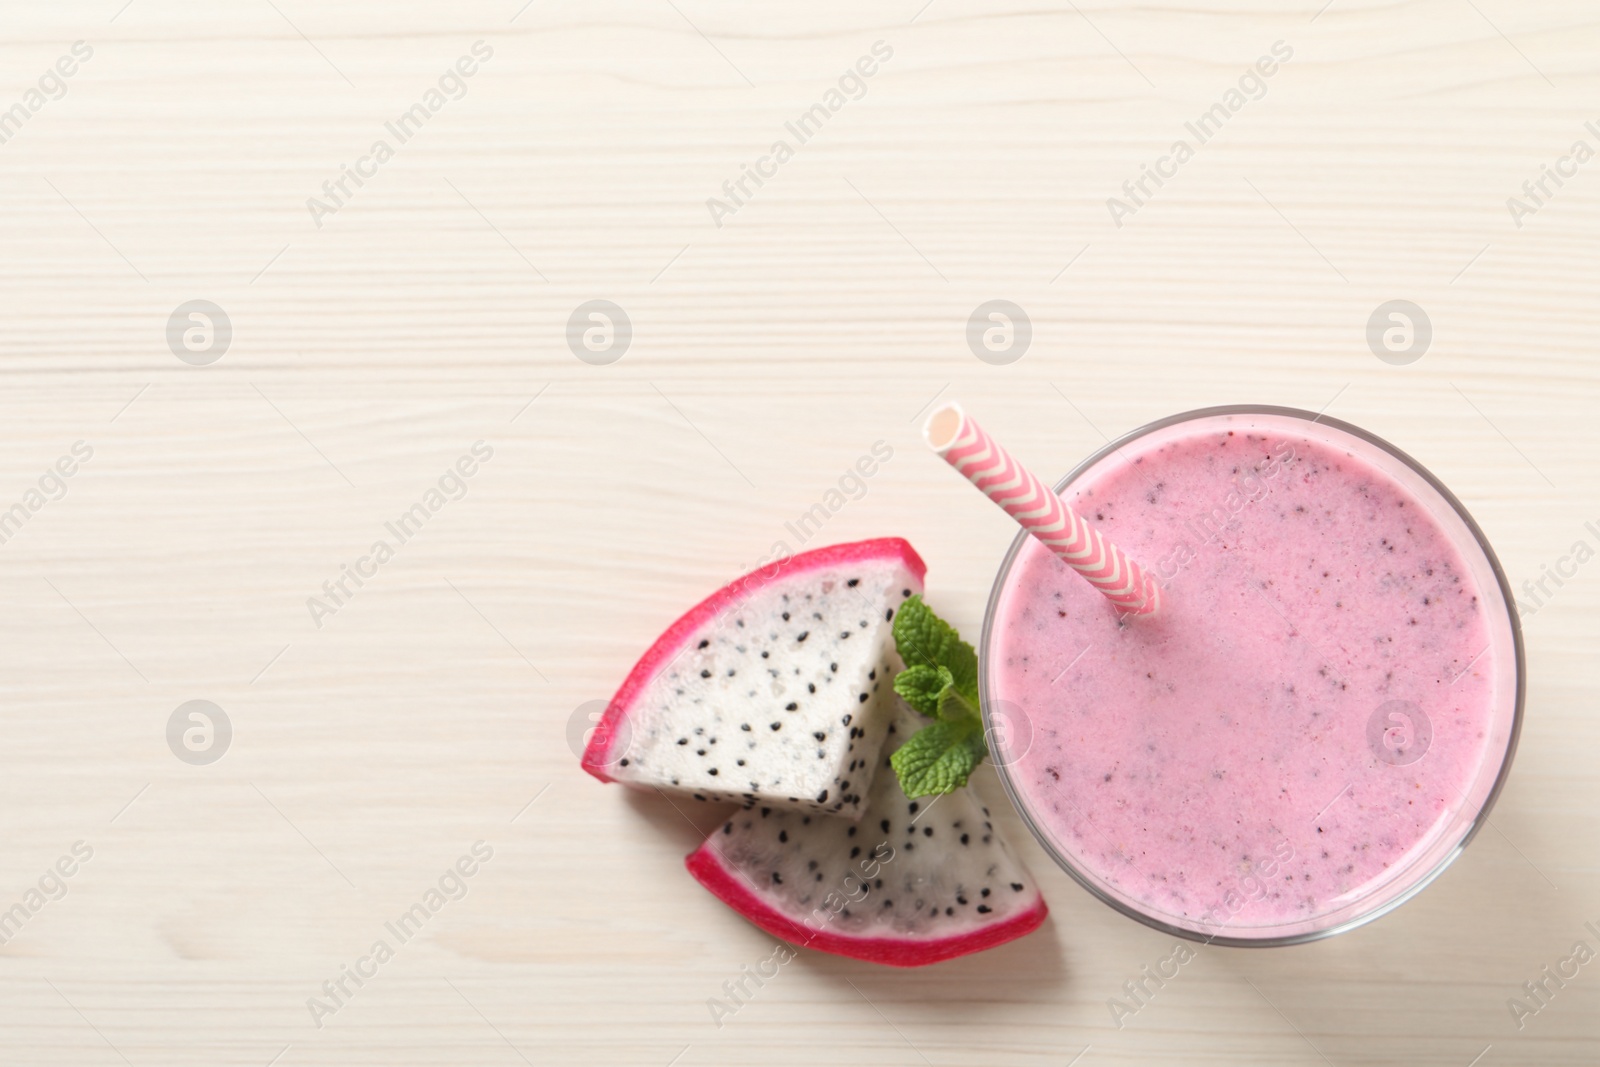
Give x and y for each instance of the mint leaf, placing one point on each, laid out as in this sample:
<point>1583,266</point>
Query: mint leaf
<point>921,686</point>
<point>922,638</point>
<point>940,681</point>
<point>939,757</point>
<point>954,707</point>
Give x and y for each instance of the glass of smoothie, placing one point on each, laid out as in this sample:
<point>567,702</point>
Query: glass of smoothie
<point>1318,719</point>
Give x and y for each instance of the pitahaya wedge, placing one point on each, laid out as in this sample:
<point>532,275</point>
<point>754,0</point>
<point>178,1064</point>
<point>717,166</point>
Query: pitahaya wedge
<point>915,882</point>
<point>776,690</point>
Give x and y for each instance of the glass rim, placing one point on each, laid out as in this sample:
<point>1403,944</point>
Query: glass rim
<point>1480,817</point>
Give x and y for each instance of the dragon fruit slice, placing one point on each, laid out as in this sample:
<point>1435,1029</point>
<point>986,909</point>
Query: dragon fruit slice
<point>913,883</point>
<point>776,690</point>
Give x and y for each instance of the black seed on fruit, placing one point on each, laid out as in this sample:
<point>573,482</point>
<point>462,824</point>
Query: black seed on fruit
<point>624,763</point>
<point>777,726</point>
<point>820,735</point>
<point>819,876</point>
<point>811,687</point>
<point>852,583</point>
<point>985,892</point>
<point>803,635</point>
<point>850,832</point>
<point>963,839</point>
<point>905,592</point>
<point>822,797</point>
<point>927,831</point>
<point>805,820</point>
<point>863,698</point>
<point>844,635</point>
<point>878,884</point>
<point>846,720</point>
<point>743,726</point>
<point>712,771</point>
<point>811,865</point>
<point>791,706</point>
<point>885,825</point>
<point>683,740</point>
<point>705,674</point>
<point>888,614</point>
<point>949,911</point>
<point>764,654</point>
<point>910,845</point>
<point>777,878</point>
<point>914,807</point>
<point>765,812</point>
<point>984,909</point>
<point>700,752</point>
<point>834,667</point>
<point>728,829</point>
<point>855,851</point>
<point>740,762</point>
<point>961,900</point>
<point>1016,887</point>
<point>888,903</point>
<point>783,837</point>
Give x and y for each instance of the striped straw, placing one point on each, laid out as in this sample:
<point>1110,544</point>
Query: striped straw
<point>953,434</point>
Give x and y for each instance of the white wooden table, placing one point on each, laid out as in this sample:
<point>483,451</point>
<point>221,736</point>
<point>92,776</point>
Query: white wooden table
<point>377,337</point>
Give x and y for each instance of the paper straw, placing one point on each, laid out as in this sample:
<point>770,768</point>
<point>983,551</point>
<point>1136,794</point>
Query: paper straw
<point>953,434</point>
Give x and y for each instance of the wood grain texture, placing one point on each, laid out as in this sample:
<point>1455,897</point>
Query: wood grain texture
<point>429,313</point>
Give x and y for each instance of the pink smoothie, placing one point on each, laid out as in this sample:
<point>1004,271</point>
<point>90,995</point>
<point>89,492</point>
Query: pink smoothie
<point>1307,731</point>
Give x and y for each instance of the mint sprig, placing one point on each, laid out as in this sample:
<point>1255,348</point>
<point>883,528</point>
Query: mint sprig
<point>941,682</point>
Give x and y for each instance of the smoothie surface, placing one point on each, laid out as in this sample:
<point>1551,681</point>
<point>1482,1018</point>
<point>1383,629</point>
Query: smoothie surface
<point>1253,757</point>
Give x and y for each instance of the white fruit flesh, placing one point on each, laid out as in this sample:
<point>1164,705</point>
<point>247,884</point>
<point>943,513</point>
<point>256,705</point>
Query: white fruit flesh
<point>782,699</point>
<point>913,882</point>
